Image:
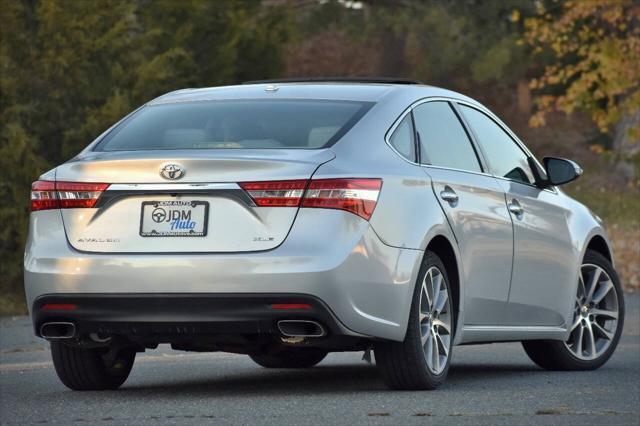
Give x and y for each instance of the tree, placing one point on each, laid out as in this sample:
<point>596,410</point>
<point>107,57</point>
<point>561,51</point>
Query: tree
<point>20,163</point>
<point>595,47</point>
<point>70,69</point>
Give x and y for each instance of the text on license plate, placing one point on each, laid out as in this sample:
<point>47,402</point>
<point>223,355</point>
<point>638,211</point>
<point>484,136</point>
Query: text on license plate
<point>174,218</point>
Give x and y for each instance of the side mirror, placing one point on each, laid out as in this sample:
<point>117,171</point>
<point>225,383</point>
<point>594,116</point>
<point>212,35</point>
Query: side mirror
<point>560,170</point>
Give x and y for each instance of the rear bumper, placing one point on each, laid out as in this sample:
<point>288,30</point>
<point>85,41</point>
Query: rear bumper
<point>167,317</point>
<point>332,256</point>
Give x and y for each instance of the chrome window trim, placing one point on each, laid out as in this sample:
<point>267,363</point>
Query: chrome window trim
<point>415,142</point>
<point>551,189</point>
<point>431,166</point>
<point>484,163</point>
<point>409,110</point>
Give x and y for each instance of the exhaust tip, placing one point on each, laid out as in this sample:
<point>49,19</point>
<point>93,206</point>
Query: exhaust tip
<point>301,328</point>
<point>58,330</point>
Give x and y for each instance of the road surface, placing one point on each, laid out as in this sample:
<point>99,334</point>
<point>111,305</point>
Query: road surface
<point>487,384</point>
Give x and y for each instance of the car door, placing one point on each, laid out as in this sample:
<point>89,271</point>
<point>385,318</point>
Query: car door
<point>473,202</point>
<point>540,293</point>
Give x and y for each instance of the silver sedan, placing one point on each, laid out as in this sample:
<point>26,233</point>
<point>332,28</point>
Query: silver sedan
<point>286,220</point>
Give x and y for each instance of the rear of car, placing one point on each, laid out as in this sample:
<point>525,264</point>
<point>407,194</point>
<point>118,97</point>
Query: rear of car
<point>288,221</point>
<point>212,220</point>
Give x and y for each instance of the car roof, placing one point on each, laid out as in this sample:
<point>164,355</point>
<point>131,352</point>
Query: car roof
<point>346,90</point>
<point>387,80</point>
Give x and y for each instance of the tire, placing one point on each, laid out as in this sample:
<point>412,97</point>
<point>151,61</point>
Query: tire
<point>290,358</point>
<point>83,369</point>
<point>563,356</point>
<point>403,365</point>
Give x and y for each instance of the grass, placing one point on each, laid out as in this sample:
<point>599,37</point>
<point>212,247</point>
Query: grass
<point>619,208</point>
<point>12,304</point>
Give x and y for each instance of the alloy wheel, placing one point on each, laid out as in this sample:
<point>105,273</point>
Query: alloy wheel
<point>596,312</point>
<point>435,320</point>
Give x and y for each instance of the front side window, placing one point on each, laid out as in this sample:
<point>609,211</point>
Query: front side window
<point>443,140</point>
<point>248,123</point>
<point>506,159</point>
<point>403,139</point>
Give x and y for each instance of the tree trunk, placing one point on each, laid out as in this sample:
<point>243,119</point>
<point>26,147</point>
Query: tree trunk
<point>524,97</point>
<point>626,144</point>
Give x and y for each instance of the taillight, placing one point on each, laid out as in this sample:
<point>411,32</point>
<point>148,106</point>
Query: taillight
<point>73,195</point>
<point>43,195</point>
<point>277,193</point>
<point>65,195</point>
<point>355,195</point>
<point>358,196</point>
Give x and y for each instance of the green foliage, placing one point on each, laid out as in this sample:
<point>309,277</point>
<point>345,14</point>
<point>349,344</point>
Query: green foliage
<point>451,43</point>
<point>20,163</point>
<point>614,207</point>
<point>70,69</point>
<point>495,62</point>
<point>97,119</point>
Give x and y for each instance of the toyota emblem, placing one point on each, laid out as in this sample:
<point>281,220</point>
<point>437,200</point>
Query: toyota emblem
<point>171,171</point>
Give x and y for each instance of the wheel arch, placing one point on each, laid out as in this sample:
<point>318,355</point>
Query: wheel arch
<point>599,244</point>
<point>446,251</point>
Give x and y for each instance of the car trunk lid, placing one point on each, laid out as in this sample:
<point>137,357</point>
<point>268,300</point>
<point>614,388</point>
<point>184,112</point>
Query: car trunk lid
<point>202,209</point>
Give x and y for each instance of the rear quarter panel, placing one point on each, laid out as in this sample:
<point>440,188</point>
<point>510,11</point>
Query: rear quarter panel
<point>407,214</point>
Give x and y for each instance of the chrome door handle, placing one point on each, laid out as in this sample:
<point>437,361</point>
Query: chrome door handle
<point>515,207</point>
<point>449,195</point>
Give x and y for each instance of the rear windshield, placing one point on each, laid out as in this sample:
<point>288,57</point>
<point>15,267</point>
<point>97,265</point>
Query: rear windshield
<point>260,124</point>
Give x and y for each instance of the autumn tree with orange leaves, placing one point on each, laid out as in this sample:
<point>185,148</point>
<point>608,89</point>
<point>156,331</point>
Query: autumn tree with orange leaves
<point>595,45</point>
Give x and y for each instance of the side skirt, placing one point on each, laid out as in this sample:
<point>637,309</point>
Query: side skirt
<point>489,334</point>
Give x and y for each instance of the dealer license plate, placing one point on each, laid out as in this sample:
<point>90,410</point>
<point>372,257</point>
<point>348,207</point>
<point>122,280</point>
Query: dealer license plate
<point>174,218</point>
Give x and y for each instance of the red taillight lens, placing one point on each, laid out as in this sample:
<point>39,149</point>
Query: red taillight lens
<point>355,195</point>
<point>74,195</point>
<point>358,196</point>
<point>65,195</point>
<point>43,196</point>
<point>280,193</point>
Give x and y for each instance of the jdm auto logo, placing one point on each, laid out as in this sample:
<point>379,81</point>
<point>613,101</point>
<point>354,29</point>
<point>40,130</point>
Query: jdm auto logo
<point>159,215</point>
<point>172,171</point>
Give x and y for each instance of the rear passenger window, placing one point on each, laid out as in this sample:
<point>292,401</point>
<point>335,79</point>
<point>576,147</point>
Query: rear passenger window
<point>403,139</point>
<point>443,140</point>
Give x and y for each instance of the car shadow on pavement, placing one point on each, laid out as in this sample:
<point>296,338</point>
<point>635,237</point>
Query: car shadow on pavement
<point>318,380</point>
<point>470,374</point>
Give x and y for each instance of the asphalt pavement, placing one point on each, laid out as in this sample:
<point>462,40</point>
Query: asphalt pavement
<point>487,384</point>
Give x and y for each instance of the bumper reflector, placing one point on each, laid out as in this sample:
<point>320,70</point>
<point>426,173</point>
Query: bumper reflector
<point>290,306</point>
<point>59,307</point>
